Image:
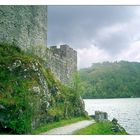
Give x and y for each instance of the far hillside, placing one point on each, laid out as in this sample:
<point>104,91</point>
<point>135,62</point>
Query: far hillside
<point>111,80</point>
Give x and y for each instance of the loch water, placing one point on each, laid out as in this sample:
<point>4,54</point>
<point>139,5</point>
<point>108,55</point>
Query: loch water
<point>125,110</point>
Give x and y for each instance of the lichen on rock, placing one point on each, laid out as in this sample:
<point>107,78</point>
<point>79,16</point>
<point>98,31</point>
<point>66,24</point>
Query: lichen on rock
<point>30,95</point>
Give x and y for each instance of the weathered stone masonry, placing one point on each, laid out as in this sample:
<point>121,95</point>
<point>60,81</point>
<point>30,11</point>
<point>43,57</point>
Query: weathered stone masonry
<point>26,27</point>
<point>62,61</point>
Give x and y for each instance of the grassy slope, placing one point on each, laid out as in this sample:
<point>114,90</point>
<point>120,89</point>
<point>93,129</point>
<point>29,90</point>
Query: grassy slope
<point>103,128</point>
<point>49,126</point>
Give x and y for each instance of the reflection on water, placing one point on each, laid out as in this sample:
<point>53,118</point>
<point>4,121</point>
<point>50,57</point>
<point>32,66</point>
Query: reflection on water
<point>126,111</point>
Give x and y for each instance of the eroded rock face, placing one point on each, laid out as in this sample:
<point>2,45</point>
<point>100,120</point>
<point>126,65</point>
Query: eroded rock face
<point>37,87</point>
<point>29,93</point>
<point>25,89</point>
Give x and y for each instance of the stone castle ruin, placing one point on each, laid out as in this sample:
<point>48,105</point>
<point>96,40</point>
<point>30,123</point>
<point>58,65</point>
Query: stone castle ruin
<point>62,61</point>
<point>26,27</point>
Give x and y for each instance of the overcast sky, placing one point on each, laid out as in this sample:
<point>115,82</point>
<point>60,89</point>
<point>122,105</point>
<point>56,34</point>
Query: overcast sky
<point>98,33</point>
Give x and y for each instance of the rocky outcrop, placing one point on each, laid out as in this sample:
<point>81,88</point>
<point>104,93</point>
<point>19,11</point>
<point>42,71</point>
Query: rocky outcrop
<point>116,127</point>
<point>30,95</point>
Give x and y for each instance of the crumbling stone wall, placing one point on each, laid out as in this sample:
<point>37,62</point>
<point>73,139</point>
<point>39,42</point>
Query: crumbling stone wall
<point>62,61</point>
<point>24,26</point>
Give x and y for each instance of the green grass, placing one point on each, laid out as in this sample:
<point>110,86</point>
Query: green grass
<point>99,128</point>
<point>46,127</point>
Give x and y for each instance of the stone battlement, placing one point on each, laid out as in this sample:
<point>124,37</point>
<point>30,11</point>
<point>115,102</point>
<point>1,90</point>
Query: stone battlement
<point>62,61</point>
<point>63,51</point>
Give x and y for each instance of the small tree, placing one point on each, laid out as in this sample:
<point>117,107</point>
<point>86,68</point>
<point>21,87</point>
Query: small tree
<point>77,85</point>
<point>77,88</point>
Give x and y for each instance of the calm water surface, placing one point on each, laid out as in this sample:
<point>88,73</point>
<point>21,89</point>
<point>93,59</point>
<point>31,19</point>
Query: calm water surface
<point>126,111</point>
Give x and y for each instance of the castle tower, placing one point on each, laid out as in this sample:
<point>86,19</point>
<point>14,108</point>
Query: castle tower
<point>24,26</point>
<point>63,62</point>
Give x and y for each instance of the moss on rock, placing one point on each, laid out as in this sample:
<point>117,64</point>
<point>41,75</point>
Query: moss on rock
<point>30,95</point>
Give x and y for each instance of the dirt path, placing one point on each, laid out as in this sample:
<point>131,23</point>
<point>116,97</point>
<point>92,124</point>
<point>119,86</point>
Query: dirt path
<point>69,129</point>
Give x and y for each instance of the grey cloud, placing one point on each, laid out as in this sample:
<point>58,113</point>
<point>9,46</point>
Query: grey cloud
<point>115,43</point>
<point>78,25</point>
